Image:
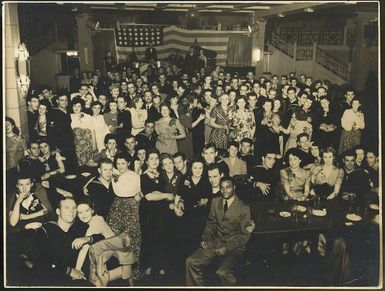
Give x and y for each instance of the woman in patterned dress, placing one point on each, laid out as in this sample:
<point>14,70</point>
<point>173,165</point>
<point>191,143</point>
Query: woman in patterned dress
<point>219,121</point>
<point>84,133</point>
<point>243,123</point>
<point>123,216</point>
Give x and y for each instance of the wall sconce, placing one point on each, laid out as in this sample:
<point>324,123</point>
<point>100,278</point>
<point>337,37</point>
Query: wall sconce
<point>22,69</point>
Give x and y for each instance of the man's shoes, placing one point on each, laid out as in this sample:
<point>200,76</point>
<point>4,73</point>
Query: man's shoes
<point>147,272</point>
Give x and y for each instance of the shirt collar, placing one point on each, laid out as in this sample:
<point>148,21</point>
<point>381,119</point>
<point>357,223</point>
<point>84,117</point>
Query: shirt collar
<point>229,201</point>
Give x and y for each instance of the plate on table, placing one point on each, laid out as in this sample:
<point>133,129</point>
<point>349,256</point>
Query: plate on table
<point>353,217</point>
<point>284,214</point>
<point>301,208</point>
<point>33,225</point>
<point>70,177</point>
<point>374,206</point>
<point>318,212</point>
<point>86,174</point>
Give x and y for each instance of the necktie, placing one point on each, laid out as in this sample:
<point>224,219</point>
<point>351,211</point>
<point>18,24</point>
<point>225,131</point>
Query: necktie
<point>225,207</point>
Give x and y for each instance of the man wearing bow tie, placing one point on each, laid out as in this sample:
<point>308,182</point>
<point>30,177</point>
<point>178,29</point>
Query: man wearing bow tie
<point>224,238</point>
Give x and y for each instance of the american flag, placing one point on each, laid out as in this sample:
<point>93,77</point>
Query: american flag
<point>178,38</point>
<point>138,35</point>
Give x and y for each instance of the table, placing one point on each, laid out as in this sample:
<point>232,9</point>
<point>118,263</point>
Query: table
<point>268,221</point>
<point>74,186</point>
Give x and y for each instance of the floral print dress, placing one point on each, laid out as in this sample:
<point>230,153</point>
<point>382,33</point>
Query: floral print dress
<point>242,125</point>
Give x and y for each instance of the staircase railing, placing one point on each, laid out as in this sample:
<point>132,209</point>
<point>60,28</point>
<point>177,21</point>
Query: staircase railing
<point>332,64</point>
<point>283,46</point>
<point>312,53</point>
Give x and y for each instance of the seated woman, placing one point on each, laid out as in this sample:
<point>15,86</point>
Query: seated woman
<point>327,177</point>
<point>236,165</point>
<point>103,250</point>
<point>295,180</point>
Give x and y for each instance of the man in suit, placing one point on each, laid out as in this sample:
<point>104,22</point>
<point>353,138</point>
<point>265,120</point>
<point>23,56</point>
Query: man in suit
<point>224,238</point>
<point>151,54</point>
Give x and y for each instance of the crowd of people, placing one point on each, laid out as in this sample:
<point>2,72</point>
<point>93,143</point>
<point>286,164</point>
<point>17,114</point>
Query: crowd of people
<point>181,156</point>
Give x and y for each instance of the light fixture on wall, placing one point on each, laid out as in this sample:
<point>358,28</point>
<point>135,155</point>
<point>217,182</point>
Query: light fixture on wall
<point>22,69</point>
<point>281,15</point>
<point>309,10</point>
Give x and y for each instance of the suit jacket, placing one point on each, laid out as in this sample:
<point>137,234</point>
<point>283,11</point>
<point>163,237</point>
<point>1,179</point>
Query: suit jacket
<point>228,229</point>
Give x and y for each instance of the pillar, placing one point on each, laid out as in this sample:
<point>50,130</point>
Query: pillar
<point>363,57</point>
<point>15,104</point>
<point>257,51</point>
<point>86,50</point>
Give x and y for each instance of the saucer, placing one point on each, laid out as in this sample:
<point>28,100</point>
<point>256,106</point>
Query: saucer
<point>70,177</point>
<point>374,206</point>
<point>319,212</point>
<point>301,208</point>
<point>33,225</point>
<point>284,214</point>
<point>353,217</point>
<point>86,174</point>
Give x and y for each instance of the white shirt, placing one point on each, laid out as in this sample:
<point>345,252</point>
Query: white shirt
<point>128,184</point>
<point>229,201</point>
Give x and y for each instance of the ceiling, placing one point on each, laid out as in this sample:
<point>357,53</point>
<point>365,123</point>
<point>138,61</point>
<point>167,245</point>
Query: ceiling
<point>263,9</point>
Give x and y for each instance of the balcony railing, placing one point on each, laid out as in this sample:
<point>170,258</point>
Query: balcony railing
<point>306,36</point>
<point>312,53</point>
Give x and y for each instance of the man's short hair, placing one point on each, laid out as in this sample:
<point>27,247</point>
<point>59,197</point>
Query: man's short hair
<point>247,140</point>
<point>64,199</point>
<point>105,161</point>
<point>291,89</point>
<point>214,166</point>
<point>349,153</point>
<point>180,154</point>
<point>302,135</point>
<point>208,146</point>
<point>226,179</point>
<point>32,96</point>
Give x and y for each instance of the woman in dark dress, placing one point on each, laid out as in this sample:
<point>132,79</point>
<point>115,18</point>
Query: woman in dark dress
<point>194,190</point>
<point>198,125</point>
<point>154,210</point>
<point>325,125</point>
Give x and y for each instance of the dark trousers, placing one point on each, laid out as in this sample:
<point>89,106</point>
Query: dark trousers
<point>201,258</point>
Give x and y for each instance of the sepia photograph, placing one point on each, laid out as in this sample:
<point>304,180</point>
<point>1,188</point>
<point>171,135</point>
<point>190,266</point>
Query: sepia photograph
<point>197,144</point>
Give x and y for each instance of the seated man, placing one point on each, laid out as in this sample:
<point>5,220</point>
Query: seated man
<point>356,180</point>
<point>372,161</point>
<point>56,247</point>
<point>210,156</point>
<point>303,142</point>
<point>264,178</point>
<point>294,179</point>
<point>32,163</point>
<point>100,189</point>
<point>224,238</point>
